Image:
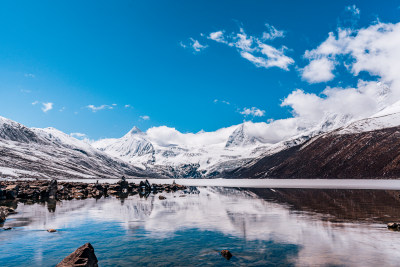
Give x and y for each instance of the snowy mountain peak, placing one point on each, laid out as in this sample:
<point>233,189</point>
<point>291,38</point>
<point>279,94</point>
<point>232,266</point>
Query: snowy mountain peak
<point>239,137</point>
<point>134,130</point>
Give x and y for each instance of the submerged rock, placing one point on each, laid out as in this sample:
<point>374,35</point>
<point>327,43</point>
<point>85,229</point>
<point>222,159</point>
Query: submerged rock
<point>393,226</point>
<point>52,189</point>
<point>123,184</point>
<point>3,215</point>
<point>83,257</point>
<point>226,254</point>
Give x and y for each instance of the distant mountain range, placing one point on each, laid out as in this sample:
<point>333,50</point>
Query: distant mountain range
<point>339,147</point>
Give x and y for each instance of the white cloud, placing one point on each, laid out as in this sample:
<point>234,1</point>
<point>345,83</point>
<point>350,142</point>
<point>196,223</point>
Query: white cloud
<point>373,49</point>
<point>217,36</point>
<point>222,101</point>
<point>47,106</point>
<point>145,117</point>
<point>197,46</point>
<point>29,75</point>
<point>78,135</point>
<point>35,102</point>
<point>353,10</point>
<point>272,33</point>
<point>194,44</point>
<point>319,70</point>
<point>255,112</point>
<point>127,106</point>
<point>94,108</point>
<point>254,49</point>
<point>182,44</point>
<point>62,109</point>
<point>275,57</point>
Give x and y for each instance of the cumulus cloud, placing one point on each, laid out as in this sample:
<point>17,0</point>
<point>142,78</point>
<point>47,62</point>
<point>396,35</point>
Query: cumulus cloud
<point>145,117</point>
<point>47,106</point>
<point>255,112</point>
<point>373,50</point>
<point>254,49</point>
<point>35,102</point>
<point>93,108</point>
<point>319,70</point>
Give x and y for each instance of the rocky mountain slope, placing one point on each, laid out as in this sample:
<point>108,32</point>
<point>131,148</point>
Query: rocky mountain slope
<point>368,148</point>
<point>49,153</point>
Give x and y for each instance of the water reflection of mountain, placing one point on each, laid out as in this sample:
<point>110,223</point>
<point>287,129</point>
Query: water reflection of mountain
<point>338,205</point>
<point>306,219</point>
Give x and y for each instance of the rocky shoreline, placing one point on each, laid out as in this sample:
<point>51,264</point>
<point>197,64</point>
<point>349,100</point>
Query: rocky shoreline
<point>53,190</point>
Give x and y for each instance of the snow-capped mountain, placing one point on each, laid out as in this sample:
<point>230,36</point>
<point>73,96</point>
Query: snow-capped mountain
<point>133,148</point>
<point>48,153</point>
<point>175,154</point>
<point>240,138</point>
<point>255,149</point>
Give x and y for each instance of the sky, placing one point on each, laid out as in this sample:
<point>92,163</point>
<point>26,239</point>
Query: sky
<point>98,68</point>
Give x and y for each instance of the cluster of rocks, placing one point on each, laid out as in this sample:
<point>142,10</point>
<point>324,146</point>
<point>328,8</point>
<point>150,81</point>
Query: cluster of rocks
<point>42,190</point>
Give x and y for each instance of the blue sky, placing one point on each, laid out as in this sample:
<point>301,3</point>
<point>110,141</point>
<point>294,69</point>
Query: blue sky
<point>101,67</point>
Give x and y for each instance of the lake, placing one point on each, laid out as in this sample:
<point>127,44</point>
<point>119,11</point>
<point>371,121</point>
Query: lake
<point>260,226</point>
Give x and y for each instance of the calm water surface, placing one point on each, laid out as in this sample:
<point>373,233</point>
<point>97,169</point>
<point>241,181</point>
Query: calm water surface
<point>261,227</point>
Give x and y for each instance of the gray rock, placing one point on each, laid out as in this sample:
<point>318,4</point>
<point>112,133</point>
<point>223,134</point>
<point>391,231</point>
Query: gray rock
<point>83,257</point>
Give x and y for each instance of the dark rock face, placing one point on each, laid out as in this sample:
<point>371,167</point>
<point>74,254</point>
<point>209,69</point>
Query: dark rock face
<point>83,257</point>
<point>374,154</point>
<point>226,254</point>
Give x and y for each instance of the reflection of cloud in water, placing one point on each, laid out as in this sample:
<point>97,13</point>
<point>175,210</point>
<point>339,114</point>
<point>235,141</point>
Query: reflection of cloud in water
<point>231,212</point>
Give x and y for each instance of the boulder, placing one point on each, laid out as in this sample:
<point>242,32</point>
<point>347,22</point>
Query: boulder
<point>161,197</point>
<point>393,226</point>
<point>83,257</point>
<point>2,195</point>
<point>3,215</point>
<point>51,230</point>
<point>226,254</point>
<point>11,191</point>
<point>124,185</point>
